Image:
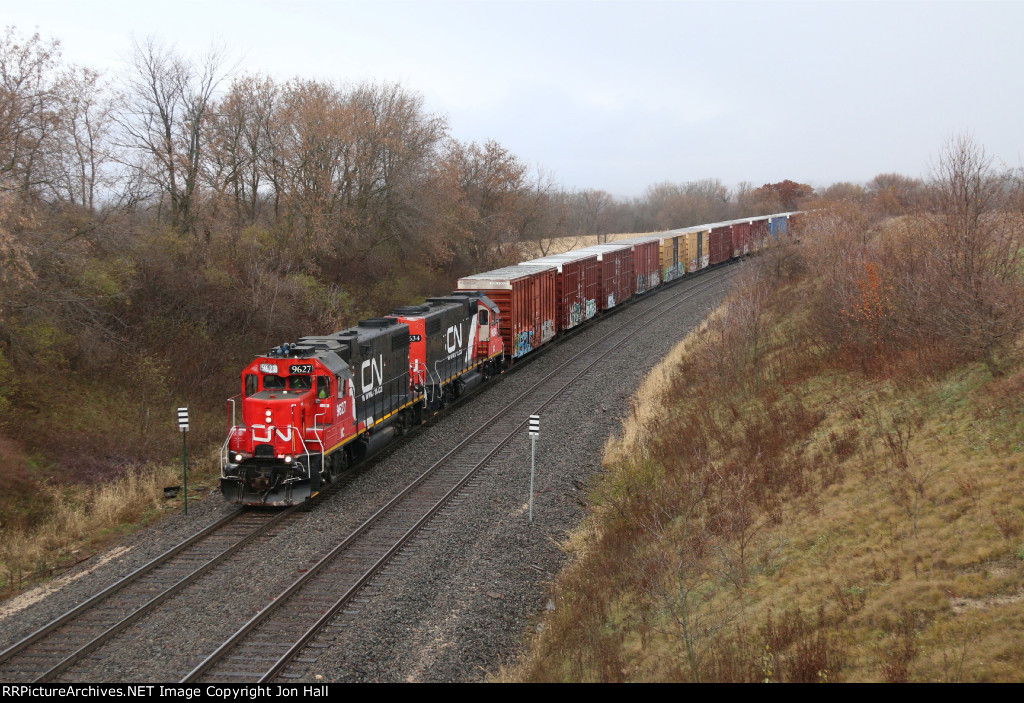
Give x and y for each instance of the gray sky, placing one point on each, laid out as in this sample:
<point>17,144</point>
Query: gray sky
<point>620,95</point>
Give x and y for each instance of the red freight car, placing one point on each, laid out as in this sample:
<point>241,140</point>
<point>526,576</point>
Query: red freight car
<point>527,302</point>
<point>720,242</point>
<point>741,238</point>
<point>615,278</point>
<point>576,286</point>
<point>646,261</point>
<point>758,233</point>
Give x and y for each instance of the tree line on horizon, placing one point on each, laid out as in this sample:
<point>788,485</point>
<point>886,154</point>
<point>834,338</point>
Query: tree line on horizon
<point>159,227</point>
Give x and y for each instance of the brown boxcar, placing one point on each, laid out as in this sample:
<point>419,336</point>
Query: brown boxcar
<point>758,233</point>
<point>740,238</point>
<point>646,261</point>
<point>793,222</point>
<point>615,273</point>
<point>720,242</point>
<point>576,286</point>
<point>526,301</point>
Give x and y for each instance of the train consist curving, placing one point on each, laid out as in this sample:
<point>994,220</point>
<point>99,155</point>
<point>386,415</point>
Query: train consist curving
<point>311,408</point>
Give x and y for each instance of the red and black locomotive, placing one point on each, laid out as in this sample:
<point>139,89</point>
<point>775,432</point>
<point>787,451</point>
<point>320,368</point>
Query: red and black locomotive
<point>312,407</point>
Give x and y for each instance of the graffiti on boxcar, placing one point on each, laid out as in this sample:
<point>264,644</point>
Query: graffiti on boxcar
<point>547,331</point>
<point>575,314</point>
<point>591,308</point>
<point>641,283</point>
<point>523,343</point>
<point>611,301</point>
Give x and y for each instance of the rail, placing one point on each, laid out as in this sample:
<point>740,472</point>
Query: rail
<point>407,522</point>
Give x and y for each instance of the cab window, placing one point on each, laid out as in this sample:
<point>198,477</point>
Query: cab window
<point>483,317</point>
<point>300,383</point>
<point>251,384</point>
<point>323,387</point>
<point>273,382</point>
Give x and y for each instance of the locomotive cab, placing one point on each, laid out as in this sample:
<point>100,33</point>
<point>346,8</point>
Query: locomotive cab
<point>295,411</point>
<point>308,410</point>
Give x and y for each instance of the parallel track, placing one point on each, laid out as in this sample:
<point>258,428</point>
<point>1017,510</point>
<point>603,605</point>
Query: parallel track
<point>57,646</point>
<point>279,632</point>
<point>265,645</point>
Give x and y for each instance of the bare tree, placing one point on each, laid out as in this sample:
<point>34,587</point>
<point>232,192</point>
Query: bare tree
<point>28,110</point>
<point>489,186</point>
<point>394,142</point>
<point>591,212</point>
<point>167,100</point>
<point>895,194</point>
<point>789,194</point>
<point>239,163</point>
<point>843,190</point>
<point>671,205</point>
<point>544,214</point>
<point>84,119</point>
<point>974,239</point>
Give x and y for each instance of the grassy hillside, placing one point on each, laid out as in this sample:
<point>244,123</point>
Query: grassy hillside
<point>821,484</point>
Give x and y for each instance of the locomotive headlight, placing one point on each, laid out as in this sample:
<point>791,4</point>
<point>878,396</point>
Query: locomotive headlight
<point>238,458</point>
<point>288,458</point>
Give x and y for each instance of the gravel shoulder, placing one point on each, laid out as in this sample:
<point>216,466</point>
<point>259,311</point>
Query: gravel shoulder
<point>454,605</point>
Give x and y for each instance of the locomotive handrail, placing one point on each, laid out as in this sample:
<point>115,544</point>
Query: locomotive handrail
<point>320,440</point>
<point>294,431</point>
<point>232,401</point>
<point>434,374</point>
<point>224,453</point>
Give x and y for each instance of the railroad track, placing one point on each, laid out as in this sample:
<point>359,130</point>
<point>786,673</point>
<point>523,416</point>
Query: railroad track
<point>57,646</point>
<point>274,637</point>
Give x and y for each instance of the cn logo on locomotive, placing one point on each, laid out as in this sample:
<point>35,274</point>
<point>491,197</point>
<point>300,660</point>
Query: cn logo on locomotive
<point>453,339</point>
<point>375,369</point>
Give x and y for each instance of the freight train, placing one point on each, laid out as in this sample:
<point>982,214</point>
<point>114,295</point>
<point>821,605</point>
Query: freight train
<point>309,409</point>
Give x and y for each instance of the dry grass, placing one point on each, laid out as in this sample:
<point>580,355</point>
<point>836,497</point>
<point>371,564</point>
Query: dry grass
<point>80,519</point>
<point>778,510</point>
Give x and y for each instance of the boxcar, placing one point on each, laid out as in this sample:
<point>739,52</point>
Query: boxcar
<point>697,255</point>
<point>527,303</point>
<point>758,233</point>
<point>615,278</point>
<point>720,242</point>
<point>646,261</point>
<point>576,286</point>
<point>741,230</point>
<point>673,255</point>
<point>778,225</point>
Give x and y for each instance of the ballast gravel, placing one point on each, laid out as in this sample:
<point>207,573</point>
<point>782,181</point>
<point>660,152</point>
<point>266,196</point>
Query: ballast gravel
<point>456,604</point>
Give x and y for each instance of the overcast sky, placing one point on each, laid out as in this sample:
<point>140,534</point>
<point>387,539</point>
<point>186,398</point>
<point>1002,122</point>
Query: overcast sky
<point>620,95</point>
